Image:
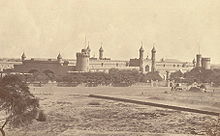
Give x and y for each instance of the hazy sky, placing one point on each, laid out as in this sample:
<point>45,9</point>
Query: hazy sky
<point>43,28</point>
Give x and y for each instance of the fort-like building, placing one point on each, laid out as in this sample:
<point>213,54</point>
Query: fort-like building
<point>85,63</point>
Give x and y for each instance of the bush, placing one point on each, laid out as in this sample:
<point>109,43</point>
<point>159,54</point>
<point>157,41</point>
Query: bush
<point>41,116</point>
<point>201,75</point>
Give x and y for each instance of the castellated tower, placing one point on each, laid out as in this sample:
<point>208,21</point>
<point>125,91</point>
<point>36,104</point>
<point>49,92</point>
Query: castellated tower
<point>141,59</point>
<point>203,62</point>
<point>153,59</point>
<point>198,60</point>
<point>101,52</point>
<point>82,61</point>
<point>206,63</point>
<point>23,57</point>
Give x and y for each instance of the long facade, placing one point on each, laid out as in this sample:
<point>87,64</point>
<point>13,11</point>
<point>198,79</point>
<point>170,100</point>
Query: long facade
<point>85,63</point>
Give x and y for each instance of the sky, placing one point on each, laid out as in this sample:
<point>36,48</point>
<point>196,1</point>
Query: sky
<point>177,28</point>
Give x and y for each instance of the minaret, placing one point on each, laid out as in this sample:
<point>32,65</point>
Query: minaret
<point>141,53</point>
<point>23,57</point>
<point>153,59</point>
<point>101,51</point>
<point>88,49</point>
<point>198,58</point>
<point>59,58</point>
<point>194,63</point>
<point>141,58</point>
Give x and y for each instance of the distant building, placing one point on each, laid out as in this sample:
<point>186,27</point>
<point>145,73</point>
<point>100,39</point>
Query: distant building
<point>85,63</point>
<point>8,63</point>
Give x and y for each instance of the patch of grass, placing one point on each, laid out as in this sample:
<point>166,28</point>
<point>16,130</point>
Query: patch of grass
<point>60,102</point>
<point>156,98</point>
<point>94,103</point>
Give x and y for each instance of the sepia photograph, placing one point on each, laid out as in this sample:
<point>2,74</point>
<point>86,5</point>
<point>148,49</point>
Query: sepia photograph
<point>109,67</point>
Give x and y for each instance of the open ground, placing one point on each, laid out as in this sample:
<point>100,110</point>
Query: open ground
<point>70,112</point>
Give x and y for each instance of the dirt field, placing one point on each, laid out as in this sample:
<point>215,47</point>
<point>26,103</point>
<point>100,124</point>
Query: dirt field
<point>71,113</point>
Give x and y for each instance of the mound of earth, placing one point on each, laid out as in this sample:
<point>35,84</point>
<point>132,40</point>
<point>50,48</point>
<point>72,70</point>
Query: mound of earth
<point>195,89</point>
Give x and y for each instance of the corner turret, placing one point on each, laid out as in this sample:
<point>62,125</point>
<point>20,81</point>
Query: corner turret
<point>59,58</point>
<point>88,49</point>
<point>194,63</point>
<point>141,53</point>
<point>23,57</point>
<point>101,51</point>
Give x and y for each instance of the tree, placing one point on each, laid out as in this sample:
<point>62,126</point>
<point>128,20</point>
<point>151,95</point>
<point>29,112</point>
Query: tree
<point>176,75</point>
<point>124,77</point>
<point>19,105</point>
<point>201,75</point>
<point>153,76</point>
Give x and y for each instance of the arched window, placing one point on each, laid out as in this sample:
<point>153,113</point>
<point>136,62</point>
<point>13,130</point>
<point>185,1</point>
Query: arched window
<point>102,64</point>
<point>147,68</point>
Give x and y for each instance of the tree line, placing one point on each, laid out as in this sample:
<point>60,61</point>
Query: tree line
<point>114,77</point>
<point>199,75</point>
